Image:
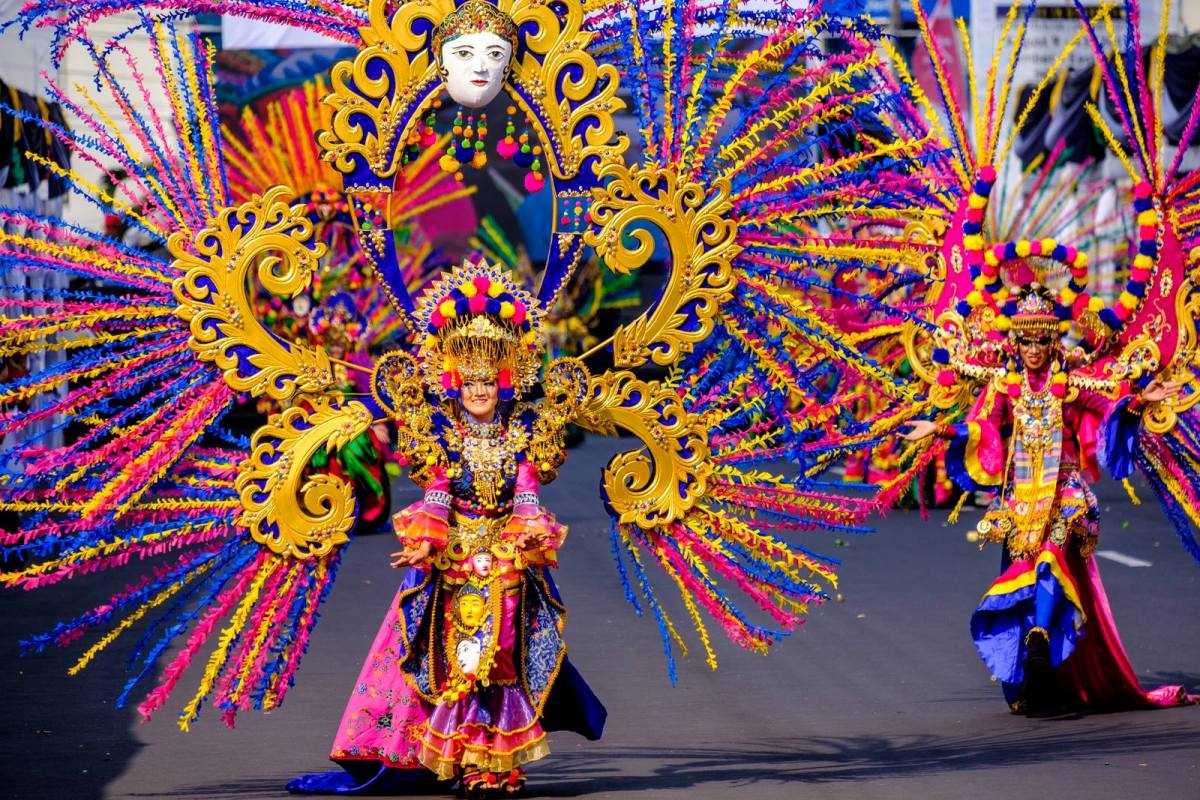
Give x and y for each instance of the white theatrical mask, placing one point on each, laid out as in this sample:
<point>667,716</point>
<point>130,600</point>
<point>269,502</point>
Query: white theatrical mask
<point>467,655</point>
<point>475,65</point>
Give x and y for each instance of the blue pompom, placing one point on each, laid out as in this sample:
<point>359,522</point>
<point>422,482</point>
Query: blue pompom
<point>1109,318</point>
<point>1059,253</point>
<point>1142,204</point>
<point>941,355</point>
<point>972,228</point>
<point>1148,249</point>
<point>963,308</point>
<point>1010,251</point>
<point>1136,288</point>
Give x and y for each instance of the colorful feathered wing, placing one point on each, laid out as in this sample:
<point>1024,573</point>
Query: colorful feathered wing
<point>124,456</point>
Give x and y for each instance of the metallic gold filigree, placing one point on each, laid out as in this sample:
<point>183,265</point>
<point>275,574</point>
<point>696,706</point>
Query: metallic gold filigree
<point>286,508</point>
<point>663,481</point>
<point>275,239</point>
<point>378,95</point>
<point>702,239</point>
<point>566,386</point>
<point>1159,418</point>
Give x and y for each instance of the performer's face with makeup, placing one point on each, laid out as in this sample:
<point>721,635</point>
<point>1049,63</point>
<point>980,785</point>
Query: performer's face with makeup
<point>1035,349</point>
<point>479,399</point>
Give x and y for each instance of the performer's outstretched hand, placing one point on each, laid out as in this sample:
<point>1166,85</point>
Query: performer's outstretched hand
<point>918,429</point>
<point>412,557</point>
<point>1156,391</point>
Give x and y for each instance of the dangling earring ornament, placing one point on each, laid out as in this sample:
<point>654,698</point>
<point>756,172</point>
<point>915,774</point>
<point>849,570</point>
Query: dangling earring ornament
<point>534,182</point>
<point>479,159</point>
<point>450,162</point>
<point>507,147</point>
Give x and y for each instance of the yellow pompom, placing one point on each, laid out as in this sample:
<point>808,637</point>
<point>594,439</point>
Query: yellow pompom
<point>1064,326</point>
<point>449,164</point>
<point>1003,324</point>
<point>447,309</point>
<point>1143,261</point>
<point>495,289</point>
<point>1048,246</point>
<point>1081,260</point>
<point>529,338</point>
<point>1148,217</point>
<point>975,299</point>
<point>1002,295</point>
<point>974,242</point>
<point>980,283</point>
<point>507,310</point>
<point>1095,305</point>
<point>1012,377</point>
<point>1067,297</point>
<point>1128,300</point>
<point>468,289</point>
<point>976,201</point>
<point>431,341</point>
<point>1023,249</point>
<point>990,258</point>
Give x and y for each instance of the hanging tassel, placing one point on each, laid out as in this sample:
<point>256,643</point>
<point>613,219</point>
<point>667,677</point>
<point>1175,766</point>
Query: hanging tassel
<point>1133,498</point>
<point>962,499</point>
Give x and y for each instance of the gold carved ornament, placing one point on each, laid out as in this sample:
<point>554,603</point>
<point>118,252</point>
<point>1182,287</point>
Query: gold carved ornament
<point>573,116</point>
<point>285,509</point>
<point>703,243</point>
<point>1160,418</point>
<point>396,385</point>
<point>273,238</point>
<point>290,510</point>
<point>662,482</point>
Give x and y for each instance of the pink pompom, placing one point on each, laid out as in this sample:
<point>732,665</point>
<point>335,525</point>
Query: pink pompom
<point>518,313</point>
<point>507,147</point>
<point>504,379</point>
<point>1142,190</point>
<point>447,381</point>
<point>436,319</point>
<point>477,303</point>
<point>428,138</point>
<point>1014,390</point>
<point>534,183</point>
<point>987,174</point>
<point>1058,389</point>
<point>482,283</point>
<point>946,377</point>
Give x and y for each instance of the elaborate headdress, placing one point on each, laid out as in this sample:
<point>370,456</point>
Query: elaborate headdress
<point>474,16</point>
<point>1072,301</point>
<point>479,326</point>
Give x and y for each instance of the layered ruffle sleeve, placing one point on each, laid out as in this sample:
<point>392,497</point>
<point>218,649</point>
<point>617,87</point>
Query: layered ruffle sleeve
<point>427,520</point>
<point>975,457</point>
<point>529,516</point>
<point>1119,442</point>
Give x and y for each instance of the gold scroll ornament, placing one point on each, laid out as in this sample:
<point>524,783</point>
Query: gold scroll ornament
<point>702,240</point>
<point>285,509</point>
<point>573,121</point>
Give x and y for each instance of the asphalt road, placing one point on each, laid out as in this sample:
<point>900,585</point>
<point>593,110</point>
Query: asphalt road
<point>879,696</point>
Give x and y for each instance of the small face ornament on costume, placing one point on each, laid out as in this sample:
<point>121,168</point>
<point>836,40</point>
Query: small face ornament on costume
<point>471,607</point>
<point>481,564</point>
<point>479,399</point>
<point>475,65</point>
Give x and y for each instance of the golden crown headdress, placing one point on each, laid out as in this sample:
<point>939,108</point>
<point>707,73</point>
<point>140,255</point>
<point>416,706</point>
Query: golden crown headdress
<point>479,326</point>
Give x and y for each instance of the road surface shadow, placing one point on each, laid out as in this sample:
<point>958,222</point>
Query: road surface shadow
<point>819,760</point>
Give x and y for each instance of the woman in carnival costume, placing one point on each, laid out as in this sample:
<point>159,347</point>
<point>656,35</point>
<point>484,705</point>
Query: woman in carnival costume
<point>470,659</point>
<point>1043,627</point>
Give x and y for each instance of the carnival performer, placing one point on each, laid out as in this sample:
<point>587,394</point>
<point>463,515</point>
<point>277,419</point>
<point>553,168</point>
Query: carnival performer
<point>1043,627</point>
<point>471,651</point>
